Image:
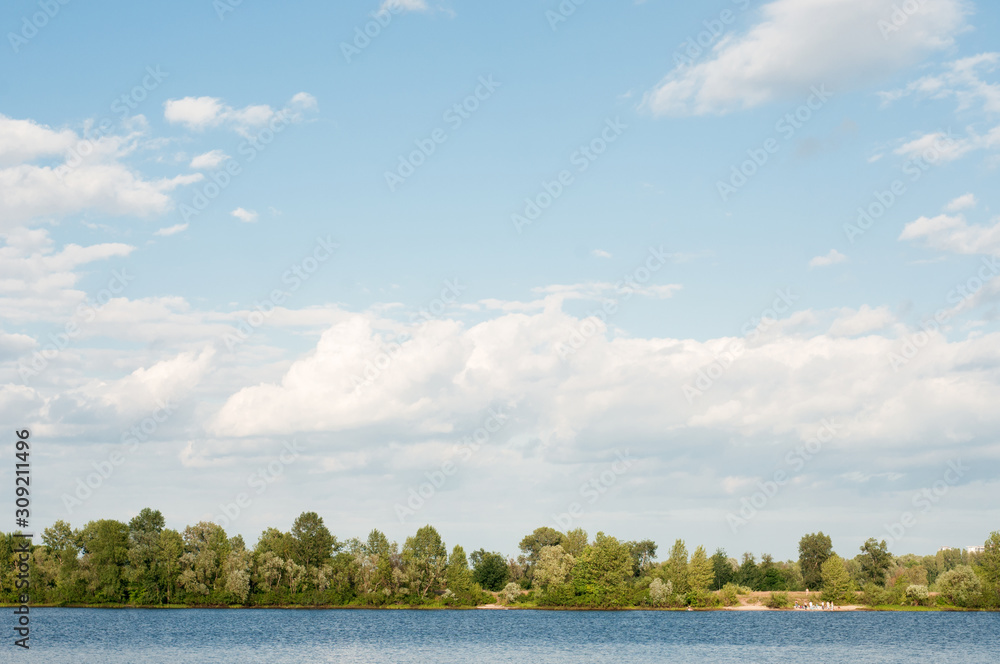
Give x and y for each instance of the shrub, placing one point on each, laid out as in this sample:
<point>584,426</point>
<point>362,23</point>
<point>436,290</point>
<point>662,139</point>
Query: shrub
<point>728,595</point>
<point>917,594</point>
<point>961,586</point>
<point>660,592</point>
<point>778,601</point>
<point>510,593</point>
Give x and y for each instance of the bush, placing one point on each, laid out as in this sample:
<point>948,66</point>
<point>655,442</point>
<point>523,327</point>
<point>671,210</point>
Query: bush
<point>728,595</point>
<point>660,592</point>
<point>778,601</point>
<point>873,594</point>
<point>917,594</point>
<point>510,593</point>
<point>961,586</point>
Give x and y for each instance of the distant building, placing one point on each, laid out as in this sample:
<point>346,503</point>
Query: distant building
<point>975,549</point>
<point>946,548</point>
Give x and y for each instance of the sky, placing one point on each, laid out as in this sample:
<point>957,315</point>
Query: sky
<point>719,271</point>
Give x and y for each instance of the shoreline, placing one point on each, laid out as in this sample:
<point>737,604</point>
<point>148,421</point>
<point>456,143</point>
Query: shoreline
<point>500,607</point>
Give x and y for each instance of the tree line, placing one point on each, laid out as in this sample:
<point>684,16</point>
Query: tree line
<point>143,563</point>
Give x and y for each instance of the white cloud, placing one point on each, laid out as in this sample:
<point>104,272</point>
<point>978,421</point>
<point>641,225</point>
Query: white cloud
<point>209,160</point>
<point>25,140</point>
<point>867,319</point>
<point>802,43</point>
<point>200,113</point>
<point>963,202</point>
<point>404,5</point>
<point>831,258</point>
<point>171,230</point>
<point>952,233</point>
<point>246,216</point>
<point>960,79</point>
<point>600,253</point>
<point>87,175</point>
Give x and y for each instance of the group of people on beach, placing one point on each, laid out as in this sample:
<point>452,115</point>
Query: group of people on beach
<point>823,606</point>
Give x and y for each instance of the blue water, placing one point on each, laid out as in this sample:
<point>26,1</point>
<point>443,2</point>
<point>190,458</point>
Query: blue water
<point>275,636</point>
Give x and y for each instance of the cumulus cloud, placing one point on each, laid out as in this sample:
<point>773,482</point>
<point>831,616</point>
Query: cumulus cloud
<point>246,216</point>
<point>209,160</point>
<point>87,174</point>
<point>200,113</point>
<point>954,234</point>
<point>801,43</point>
<point>963,202</point>
<point>831,258</point>
<point>959,79</point>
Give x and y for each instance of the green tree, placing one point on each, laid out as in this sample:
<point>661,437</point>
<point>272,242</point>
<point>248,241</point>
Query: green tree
<point>312,543</point>
<point>989,563</point>
<point>602,569</point>
<point>458,577</point>
<point>490,570</point>
<point>722,569</point>
<point>837,585</point>
<point>748,573</point>
<point>771,577</point>
<point>576,541</point>
<point>643,555</point>
<point>143,544</point>
<point>426,559</point>
<point>961,586</point>
<point>875,560</point>
<point>675,569</point>
<point>105,557</point>
<point>814,550</point>
<point>553,567</point>
<point>532,545</point>
<point>700,573</point>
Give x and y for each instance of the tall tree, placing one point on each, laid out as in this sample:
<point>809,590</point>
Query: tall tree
<point>814,550</point>
<point>143,544</point>
<point>749,574</point>
<point>837,585</point>
<point>490,570</point>
<point>575,541</point>
<point>643,555</point>
<point>875,560</point>
<point>532,545</point>
<point>602,569</point>
<point>722,569</point>
<point>426,558</point>
<point>313,545</point>
<point>553,567</point>
<point>105,549</point>
<point>458,577</point>
<point>675,569</point>
<point>700,573</point>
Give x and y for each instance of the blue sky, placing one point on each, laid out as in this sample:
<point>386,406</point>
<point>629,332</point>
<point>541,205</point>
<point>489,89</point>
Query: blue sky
<point>311,118</point>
